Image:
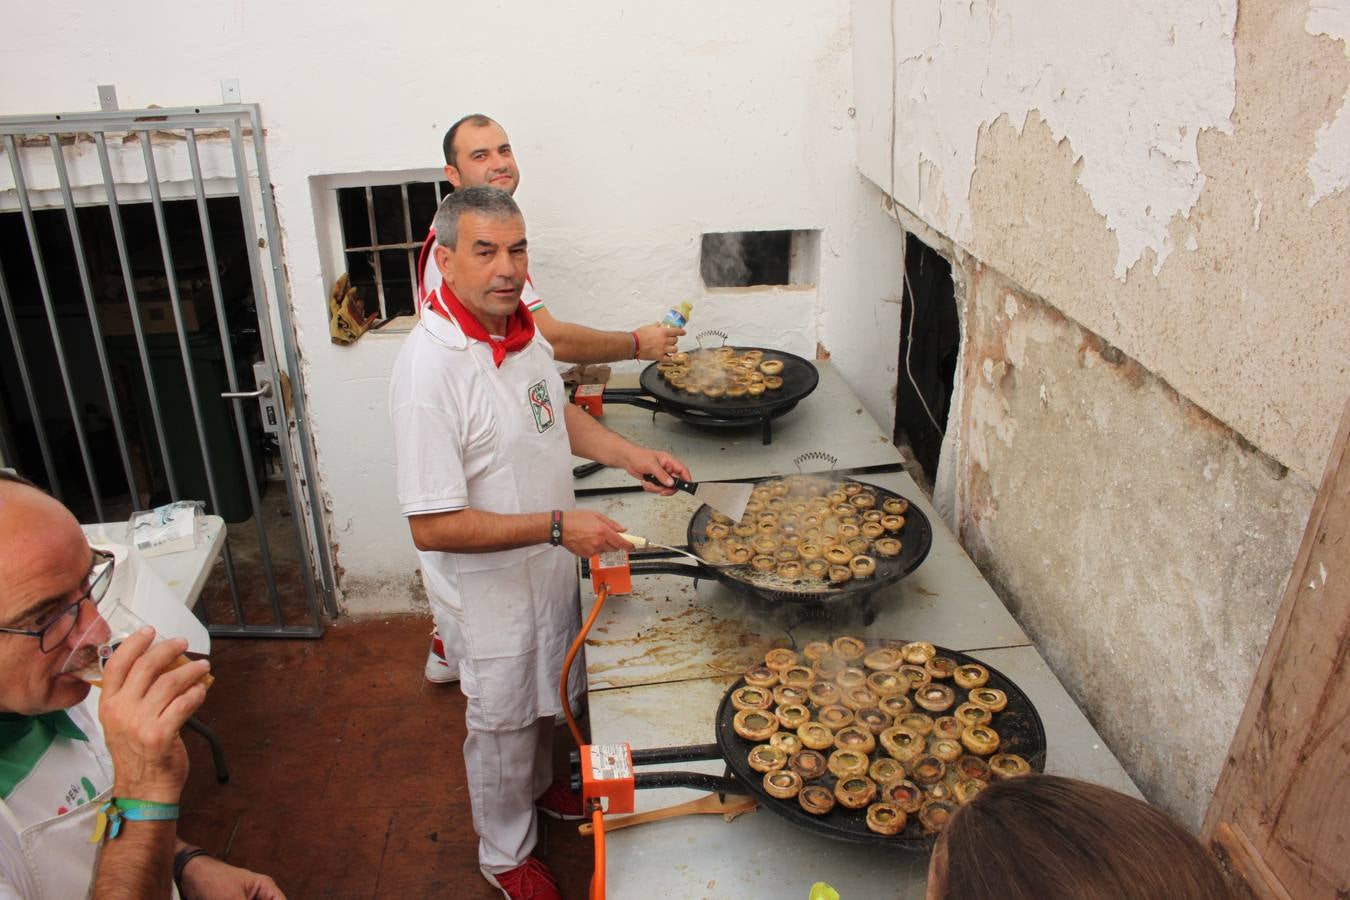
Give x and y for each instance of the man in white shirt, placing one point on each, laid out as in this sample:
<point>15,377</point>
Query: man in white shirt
<point>74,765</point>
<point>478,153</point>
<point>484,438</point>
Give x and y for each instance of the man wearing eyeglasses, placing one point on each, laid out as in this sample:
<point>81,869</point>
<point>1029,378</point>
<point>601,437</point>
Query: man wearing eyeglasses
<point>89,786</point>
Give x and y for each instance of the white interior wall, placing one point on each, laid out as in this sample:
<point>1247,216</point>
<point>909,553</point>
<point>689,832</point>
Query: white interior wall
<point>637,128</point>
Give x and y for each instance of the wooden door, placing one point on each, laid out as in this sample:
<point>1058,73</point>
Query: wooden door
<point>1281,811</point>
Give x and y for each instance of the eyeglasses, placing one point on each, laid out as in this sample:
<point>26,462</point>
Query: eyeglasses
<point>54,632</point>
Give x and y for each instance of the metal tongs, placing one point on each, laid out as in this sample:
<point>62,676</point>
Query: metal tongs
<point>641,543</point>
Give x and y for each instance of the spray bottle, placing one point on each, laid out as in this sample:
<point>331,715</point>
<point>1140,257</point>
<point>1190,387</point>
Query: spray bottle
<point>677,317</point>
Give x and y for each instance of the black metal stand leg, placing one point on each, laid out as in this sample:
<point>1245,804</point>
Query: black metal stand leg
<point>767,430</point>
<point>217,752</point>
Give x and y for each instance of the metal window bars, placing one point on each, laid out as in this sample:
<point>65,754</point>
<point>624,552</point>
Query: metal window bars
<point>255,605</point>
<point>374,248</point>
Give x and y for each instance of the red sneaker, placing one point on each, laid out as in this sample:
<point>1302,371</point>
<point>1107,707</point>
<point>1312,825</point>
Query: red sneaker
<point>531,880</point>
<point>558,802</point>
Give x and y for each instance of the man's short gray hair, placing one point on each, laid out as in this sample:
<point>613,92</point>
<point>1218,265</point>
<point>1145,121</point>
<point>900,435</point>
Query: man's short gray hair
<point>494,203</point>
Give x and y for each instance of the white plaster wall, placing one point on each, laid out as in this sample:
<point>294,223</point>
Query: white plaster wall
<point>637,128</point>
<point>1168,126</point>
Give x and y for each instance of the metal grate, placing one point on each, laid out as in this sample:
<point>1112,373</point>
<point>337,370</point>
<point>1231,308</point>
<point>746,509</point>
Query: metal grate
<point>383,226</point>
<point>111,345</point>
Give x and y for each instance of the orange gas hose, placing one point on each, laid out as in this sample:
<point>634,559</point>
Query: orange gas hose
<point>598,878</point>
<point>597,815</point>
<point>600,597</point>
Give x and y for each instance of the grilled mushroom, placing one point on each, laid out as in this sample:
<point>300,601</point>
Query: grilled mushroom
<point>947,728</point>
<point>853,737</point>
<point>856,792</point>
<point>935,697</point>
<point>884,659</point>
<point>823,693</point>
<point>991,699</point>
<point>969,714</point>
<point>896,706</point>
<point>1008,765</point>
<point>816,799</point>
<point>886,818</point>
<point>797,676</point>
<point>764,564</point>
<point>792,716</point>
<point>850,678</point>
<point>965,791</point>
<point>927,770</point>
<point>895,506</point>
<point>917,722</point>
<point>771,367</point>
<point>773,382</point>
<point>837,555</point>
<point>873,719</point>
<point>840,575</point>
<point>884,768</point>
<point>767,758</point>
<point>780,658</point>
<point>782,784</point>
<point>751,698</point>
<point>829,666</point>
<point>970,676</point>
<point>887,547</point>
<point>940,667</point>
<point>786,741</point>
<point>947,750</point>
<point>917,653</point>
<point>761,677</point>
<point>916,675</point>
<point>859,698</point>
<point>816,649</point>
<point>789,569</point>
<point>935,814</point>
<point>809,764</point>
<point>814,735</point>
<point>902,743</point>
<point>862,566</point>
<point>716,530</point>
<point>903,793</point>
<point>887,684</point>
<point>835,717</point>
<point>755,724</point>
<point>816,568</point>
<point>980,740</point>
<point>972,768</point>
<point>847,763</point>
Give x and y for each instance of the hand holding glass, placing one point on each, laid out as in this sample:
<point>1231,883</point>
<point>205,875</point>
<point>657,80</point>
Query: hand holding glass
<point>115,623</point>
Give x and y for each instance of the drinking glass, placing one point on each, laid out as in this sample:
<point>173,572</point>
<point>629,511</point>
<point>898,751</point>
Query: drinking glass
<point>115,623</point>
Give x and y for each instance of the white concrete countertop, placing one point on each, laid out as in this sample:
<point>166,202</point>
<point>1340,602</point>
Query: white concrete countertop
<point>832,420</point>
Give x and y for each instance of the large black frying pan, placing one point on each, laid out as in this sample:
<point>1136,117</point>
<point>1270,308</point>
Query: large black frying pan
<point>916,539</point>
<point>1019,729</point>
<point>657,395</point>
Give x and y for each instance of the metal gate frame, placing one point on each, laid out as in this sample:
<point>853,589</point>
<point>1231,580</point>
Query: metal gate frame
<point>233,118</point>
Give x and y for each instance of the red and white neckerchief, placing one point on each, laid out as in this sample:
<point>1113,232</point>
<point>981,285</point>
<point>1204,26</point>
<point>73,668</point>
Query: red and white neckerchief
<point>519,325</point>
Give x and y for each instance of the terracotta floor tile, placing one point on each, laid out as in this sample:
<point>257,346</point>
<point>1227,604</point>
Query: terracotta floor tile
<point>368,663</point>
<point>433,852</point>
<point>404,755</point>
<point>318,852</point>
<point>336,790</point>
<point>275,753</point>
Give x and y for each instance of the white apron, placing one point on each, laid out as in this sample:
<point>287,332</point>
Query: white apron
<point>53,859</point>
<point>519,608</point>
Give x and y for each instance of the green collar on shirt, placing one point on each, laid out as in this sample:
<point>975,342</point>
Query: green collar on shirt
<point>24,739</point>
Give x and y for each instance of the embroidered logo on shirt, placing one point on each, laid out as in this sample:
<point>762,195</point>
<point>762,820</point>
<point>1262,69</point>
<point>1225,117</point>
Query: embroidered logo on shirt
<point>541,406</point>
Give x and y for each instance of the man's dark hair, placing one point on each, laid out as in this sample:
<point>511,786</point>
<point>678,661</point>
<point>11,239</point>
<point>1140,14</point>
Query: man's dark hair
<point>478,120</point>
<point>492,202</point>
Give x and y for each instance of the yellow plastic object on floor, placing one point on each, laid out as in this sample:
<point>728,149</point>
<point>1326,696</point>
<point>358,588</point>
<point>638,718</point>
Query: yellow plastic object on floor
<point>822,891</point>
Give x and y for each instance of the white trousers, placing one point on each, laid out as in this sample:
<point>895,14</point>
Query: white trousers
<point>506,771</point>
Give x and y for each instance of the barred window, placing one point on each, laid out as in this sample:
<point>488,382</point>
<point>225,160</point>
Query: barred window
<point>383,227</point>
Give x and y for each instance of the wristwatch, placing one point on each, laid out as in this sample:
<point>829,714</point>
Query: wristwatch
<point>555,528</point>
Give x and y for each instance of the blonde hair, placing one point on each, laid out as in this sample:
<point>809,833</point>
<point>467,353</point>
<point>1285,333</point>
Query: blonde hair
<point>1043,836</point>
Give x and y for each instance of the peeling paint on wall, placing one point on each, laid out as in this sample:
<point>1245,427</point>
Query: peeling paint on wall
<point>1329,167</point>
<point>1141,543</point>
<point>962,65</point>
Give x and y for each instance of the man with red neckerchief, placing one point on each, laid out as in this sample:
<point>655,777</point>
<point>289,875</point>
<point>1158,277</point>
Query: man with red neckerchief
<point>484,438</point>
<point>479,154</point>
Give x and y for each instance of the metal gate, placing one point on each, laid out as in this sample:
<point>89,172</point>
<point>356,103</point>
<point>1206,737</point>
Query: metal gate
<point>144,357</point>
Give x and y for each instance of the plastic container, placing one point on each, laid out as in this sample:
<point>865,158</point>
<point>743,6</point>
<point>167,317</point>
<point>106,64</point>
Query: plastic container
<point>678,316</point>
